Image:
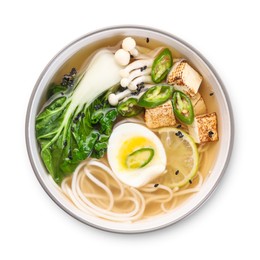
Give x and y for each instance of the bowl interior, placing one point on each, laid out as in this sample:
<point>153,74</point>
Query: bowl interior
<point>74,55</point>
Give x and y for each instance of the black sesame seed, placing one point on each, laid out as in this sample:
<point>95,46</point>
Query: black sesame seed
<point>67,77</point>
<point>143,68</point>
<point>178,126</point>
<point>65,143</point>
<point>177,172</point>
<point>147,39</point>
<point>79,115</point>
<point>64,82</point>
<point>190,181</point>
<point>70,155</point>
<point>97,107</point>
<point>156,185</point>
<point>62,93</point>
<point>210,134</point>
<point>181,135</point>
<point>140,86</point>
<point>73,72</point>
<point>211,94</point>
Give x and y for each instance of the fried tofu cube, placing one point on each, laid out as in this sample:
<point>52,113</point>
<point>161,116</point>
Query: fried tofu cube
<point>204,128</point>
<point>198,104</point>
<point>160,116</point>
<point>184,78</point>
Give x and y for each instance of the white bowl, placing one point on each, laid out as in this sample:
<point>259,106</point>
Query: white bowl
<point>225,124</point>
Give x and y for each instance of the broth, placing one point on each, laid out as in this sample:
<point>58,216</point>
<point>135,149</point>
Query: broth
<point>78,60</point>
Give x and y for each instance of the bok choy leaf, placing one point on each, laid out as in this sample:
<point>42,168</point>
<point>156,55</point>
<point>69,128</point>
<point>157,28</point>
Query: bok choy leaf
<point>76,122</point>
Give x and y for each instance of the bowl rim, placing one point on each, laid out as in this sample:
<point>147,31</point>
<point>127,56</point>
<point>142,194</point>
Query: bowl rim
<point>153,30</point>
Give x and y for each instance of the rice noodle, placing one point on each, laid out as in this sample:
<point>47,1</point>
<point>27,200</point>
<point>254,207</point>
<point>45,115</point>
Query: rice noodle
<point>130,204</point>
<point>95,190</point>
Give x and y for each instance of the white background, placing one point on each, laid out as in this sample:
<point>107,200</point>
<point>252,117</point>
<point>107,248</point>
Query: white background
<point>226,33</point>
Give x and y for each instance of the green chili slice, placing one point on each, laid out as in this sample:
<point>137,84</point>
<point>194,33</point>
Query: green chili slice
<point>139,158</point>
<point>155,96</point>
<point>182,107</point>
<point>161,66</point>
<point>129,108</point>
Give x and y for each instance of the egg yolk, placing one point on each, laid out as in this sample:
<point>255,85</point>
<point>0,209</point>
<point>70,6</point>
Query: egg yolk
<point>131,145</point>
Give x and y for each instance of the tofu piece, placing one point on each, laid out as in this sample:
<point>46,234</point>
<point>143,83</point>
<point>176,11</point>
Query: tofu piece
<point>184,78</point>
<point>160,116</point>
<point>198,104</point>
<point>204,128</point>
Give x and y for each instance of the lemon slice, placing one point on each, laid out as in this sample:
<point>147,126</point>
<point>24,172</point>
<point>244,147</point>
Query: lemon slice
<point>182,157</point>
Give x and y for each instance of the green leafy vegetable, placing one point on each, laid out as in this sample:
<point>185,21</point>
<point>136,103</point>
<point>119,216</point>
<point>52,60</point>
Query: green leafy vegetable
<point>77,124</point>
<point>66,84</point>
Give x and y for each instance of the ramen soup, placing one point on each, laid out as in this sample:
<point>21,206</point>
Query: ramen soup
<point>128,129</point>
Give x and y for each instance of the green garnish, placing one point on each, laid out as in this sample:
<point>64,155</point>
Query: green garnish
<point>161,66</point>
<point>156,96</point>
<point>129,108</point>
<point>139,158</point>
<point>182,107</point>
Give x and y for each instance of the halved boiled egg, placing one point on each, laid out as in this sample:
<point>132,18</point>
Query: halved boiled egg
<point>135,154</point>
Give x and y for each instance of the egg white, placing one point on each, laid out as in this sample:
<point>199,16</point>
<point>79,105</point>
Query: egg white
<point>135,177</point>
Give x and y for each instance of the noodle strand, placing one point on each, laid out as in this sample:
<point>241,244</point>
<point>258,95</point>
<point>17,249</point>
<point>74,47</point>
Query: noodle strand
<point>93,187</point>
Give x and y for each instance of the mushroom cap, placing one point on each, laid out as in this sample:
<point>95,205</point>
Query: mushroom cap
<point>128,44</point>
<point>132,86</point>
<point>124,82</point>
<point>113,99</point>
<point>122,57</point>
